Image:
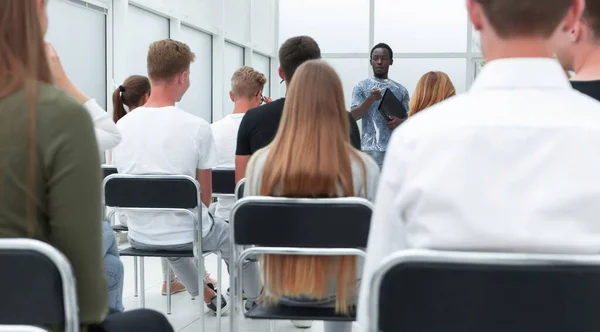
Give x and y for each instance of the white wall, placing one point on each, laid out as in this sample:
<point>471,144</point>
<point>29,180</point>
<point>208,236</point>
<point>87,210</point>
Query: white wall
<point>99,63</point>
<point>425,35</point>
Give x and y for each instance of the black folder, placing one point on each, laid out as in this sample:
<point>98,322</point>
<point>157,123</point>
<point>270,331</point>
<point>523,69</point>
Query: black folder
<point>391,106</point>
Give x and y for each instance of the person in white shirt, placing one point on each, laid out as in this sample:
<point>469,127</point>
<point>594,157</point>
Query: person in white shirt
<point>512,165</point>
<point>160,138</point>
<point>106,131</point>
<point>246,92</point>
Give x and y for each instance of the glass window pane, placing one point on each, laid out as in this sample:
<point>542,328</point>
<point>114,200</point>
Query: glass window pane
<point>234,59</point>
<point>144,28</point>
<point>339,26</point>
<point>83,54</point>
<point>408,71</point>
<point>262,64</point>
<point>351,71</point>
<point>424,26</point>
<point>198,98</point>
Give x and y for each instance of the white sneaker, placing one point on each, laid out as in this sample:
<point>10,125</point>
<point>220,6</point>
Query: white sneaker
<point>302,324</point>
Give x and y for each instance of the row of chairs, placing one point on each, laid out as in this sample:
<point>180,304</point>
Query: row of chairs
<point>411,291</point>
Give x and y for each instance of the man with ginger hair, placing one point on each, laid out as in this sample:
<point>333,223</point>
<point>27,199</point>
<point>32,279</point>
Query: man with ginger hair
<point>160,138</point>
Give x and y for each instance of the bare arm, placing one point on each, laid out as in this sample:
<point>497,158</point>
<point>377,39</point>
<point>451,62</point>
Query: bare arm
<point>361,110</point>
<point>241,162</point>
<point>204,177</point>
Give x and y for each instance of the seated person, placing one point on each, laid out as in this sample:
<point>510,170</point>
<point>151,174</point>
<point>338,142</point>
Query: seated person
<point>433,88</point>
<point>259,125</point>
<point>160,138</point>
<point>50,167</point>
<point>246,92</point>
<point>108,136</point>
<point>133,93</point>
<point>311,157</point>
<point>510,166</point>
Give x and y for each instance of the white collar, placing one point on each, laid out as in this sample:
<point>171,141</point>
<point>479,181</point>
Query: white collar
<point>522,73</point>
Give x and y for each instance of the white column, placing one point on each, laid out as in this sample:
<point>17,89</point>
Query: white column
<point>218,63</point>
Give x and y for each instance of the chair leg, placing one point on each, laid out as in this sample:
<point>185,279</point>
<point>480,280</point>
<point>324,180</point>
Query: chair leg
<point>135,276</point>
<point>219,291</point>
<point>201,289</point>
<point>168,289</point>
<point>142,282</point>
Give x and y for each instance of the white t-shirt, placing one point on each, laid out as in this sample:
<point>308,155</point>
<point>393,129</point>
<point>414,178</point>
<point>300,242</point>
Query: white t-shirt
<point>225,133</point>
<point>166,141</point>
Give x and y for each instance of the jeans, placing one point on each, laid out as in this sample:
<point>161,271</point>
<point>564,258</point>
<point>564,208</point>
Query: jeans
<point>113,268</point>
<point>135,320</point>
<point>378,156</point>
<point>217,239</point>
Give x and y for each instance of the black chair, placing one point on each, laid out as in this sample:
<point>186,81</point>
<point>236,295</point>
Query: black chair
<point>161,193</point>
<point>49,296</point>
<point>239,189</point>
<point>108,170</point>
<point>431,291</point>
<point>286,226</point>
<point>223,182</point>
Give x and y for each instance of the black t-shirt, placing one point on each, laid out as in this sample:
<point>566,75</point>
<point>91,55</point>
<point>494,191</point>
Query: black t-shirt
<point>259,127</point>
<point>590,88</point>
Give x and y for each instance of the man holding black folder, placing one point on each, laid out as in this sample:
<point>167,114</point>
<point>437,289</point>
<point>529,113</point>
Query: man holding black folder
<point>380,116</point>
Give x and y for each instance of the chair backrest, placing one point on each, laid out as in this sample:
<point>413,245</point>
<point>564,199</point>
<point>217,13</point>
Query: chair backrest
<point>47,295</point>
<point>151,191</point>
<point>305,223</point>
<point>461,291</point>
<point>223,182</point>
<point>239,189</point>
<point>108,170</point>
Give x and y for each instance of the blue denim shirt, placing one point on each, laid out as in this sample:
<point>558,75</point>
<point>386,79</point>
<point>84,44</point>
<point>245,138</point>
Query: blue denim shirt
<point>375,133</point>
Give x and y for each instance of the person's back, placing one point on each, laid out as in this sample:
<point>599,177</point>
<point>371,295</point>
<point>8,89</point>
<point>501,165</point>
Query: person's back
<point>311,157</point>
<point>509,166</point>
<point>246,92</point>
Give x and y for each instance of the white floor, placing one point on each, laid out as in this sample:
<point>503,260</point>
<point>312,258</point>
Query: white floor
<point>185,311</point>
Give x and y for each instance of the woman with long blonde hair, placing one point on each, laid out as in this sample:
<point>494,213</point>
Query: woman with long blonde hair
<point>50,169</point>
<point>434,87</point>
<point>311,157</point>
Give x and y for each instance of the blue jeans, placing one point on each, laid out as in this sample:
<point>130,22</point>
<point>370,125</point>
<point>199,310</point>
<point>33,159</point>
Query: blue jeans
<point>378,156</point>
<point>113,268</point>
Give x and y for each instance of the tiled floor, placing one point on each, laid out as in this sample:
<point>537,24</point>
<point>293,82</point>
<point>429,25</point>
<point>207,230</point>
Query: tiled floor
<point>185,311</point>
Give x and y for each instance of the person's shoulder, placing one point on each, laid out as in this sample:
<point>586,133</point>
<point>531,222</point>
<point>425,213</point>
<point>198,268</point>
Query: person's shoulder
<point>363,84</point>
<point>59,106</point>
<point>369,163</point>
<point>399,86</point>
<point>264,111</point>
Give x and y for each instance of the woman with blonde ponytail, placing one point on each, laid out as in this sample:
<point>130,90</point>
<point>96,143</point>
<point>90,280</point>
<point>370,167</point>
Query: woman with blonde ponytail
<point>311,157</point>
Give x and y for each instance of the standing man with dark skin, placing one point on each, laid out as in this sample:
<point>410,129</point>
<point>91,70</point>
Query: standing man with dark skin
<point>366,96</point>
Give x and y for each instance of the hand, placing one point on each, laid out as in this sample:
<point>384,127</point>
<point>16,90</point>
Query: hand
<point>267,100</point>
<point>375,94</point>
<point>59,77</point>
<point>394,122</point>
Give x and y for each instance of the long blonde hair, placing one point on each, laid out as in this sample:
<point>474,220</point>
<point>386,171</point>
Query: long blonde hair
<point>22,65</point>
<point>432,88</point>
<point>311,158</point>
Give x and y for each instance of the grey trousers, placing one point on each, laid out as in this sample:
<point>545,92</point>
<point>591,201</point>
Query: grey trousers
<point>217,239</point>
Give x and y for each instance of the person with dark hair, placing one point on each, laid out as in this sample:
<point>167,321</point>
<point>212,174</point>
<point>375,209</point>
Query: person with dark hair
<point>259,125</point>
<point>50,177</point>
<point>366,96</point>
<point>580,51</point>
<point>133,93</point>
<point>510,166</point>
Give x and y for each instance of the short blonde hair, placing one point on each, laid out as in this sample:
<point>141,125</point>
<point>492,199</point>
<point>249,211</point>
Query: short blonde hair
<point>246,82</point>
<point>168,57</point>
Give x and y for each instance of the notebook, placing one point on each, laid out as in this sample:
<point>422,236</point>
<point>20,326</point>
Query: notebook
<point>391,106</point>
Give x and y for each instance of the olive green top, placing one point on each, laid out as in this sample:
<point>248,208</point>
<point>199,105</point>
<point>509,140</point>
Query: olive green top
<point>66,192</point>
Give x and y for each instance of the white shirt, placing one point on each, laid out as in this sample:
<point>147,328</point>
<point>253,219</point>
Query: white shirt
<point>225,133</point>
<point>513,165</point>
<point>164,141</point>
<point>107,134</point>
